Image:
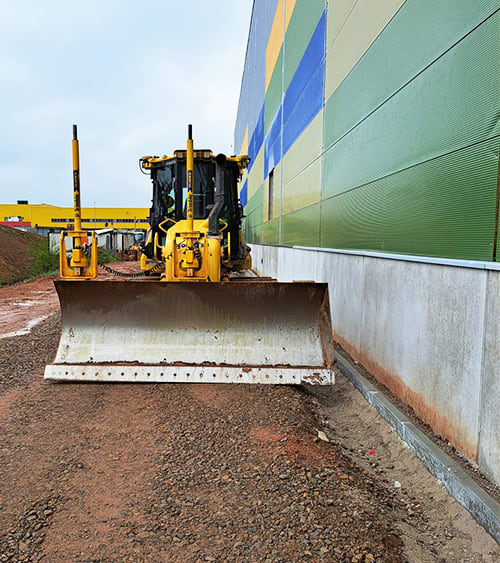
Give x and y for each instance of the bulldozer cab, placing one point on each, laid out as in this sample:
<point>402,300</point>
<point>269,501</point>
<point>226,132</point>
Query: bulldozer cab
<point>168,175</point>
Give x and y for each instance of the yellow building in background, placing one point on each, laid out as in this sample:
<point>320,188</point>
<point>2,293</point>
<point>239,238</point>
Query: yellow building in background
<point>46,218</point>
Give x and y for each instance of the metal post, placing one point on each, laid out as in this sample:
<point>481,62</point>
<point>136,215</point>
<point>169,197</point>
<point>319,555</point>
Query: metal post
<point>76,185</point>
<point>78,260</point>
<point>189,180</point>
<point>78,267</point>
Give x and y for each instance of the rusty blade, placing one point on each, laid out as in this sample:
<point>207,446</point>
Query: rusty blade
<point>244,325</point>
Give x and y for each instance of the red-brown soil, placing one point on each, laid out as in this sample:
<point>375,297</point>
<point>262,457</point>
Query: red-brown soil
<point>195,473</point>
<point>15,258</point>
<point>24,305</point>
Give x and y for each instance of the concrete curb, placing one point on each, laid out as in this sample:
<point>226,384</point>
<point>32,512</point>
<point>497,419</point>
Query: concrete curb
<point>461,487</point>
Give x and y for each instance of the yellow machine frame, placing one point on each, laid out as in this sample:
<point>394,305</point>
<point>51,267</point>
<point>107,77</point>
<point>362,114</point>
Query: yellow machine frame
<point>189,252</point>
<point>78,267</point>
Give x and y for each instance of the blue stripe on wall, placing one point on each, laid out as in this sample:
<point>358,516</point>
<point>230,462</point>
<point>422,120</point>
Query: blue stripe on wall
<point>253,83</point>
<point>313,56</point>
<point>272,144</point>
<point>302,101</point>
<point>244,194</point>
<point>304,96</point>
<point>303,112</point>
<point>257,138</point>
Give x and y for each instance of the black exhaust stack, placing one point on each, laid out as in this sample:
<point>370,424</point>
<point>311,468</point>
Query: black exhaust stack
<point>213,218</point>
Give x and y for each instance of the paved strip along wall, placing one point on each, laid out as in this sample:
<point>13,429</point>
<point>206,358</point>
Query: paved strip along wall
<point>427,329</point>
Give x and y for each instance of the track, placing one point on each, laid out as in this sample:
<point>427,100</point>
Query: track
<point>209,473</point>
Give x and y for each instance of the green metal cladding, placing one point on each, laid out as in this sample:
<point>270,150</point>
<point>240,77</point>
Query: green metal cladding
<point>382,121</point>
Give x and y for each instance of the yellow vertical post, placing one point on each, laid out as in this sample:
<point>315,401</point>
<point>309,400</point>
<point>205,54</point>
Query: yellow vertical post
<point>189,180</point>
<point>78,268</point>
<point>78,259</point>
<point>76,181</point>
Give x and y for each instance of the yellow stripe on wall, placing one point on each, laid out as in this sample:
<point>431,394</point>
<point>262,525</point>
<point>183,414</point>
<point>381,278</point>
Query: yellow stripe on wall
<point>244,144</point>
<point>241,181</point>
<point>276,36</point>
<point>256,174</point>
<point>289,6</point>
<point>302,168</point>
<point>364,22</point>
<point>274,42</point>
<point>337,14</point>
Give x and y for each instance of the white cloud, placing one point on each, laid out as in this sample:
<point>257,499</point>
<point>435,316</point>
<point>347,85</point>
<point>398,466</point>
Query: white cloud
<point>132,76</point>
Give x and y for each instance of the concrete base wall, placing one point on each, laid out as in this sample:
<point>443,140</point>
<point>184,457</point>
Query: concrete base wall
<point>430,332</point>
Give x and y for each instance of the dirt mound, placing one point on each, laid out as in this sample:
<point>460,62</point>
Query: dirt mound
<point>15,257</point>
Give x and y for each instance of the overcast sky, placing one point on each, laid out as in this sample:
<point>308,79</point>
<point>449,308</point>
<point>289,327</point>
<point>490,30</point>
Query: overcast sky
<point>131,74</point>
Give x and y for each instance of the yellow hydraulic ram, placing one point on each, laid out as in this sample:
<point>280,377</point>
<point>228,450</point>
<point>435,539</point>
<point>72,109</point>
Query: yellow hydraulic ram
<point>190,262</point>
<point>78,268</point>
<point>189,179</point>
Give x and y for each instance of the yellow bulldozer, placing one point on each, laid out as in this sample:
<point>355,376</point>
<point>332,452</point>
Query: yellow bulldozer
<point>198,313</point>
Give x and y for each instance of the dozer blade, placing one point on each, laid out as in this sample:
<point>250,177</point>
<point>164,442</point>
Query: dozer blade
<point>151,331</point>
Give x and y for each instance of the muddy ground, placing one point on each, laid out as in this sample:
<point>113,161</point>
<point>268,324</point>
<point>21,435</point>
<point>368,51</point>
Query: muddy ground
<point>187,472</point>
<point>26,304</point>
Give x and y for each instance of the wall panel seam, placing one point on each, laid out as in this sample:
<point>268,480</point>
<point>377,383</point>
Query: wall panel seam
<point>402,87</point>
<point>497,213</point>
<point>363,303</point>
<point>301,209</point>
<point>308,165</point>
<point>342,26</point>
<point>366,50</point>
<point>411,166</point>
<point>282,119</point>
<point>481,367</point>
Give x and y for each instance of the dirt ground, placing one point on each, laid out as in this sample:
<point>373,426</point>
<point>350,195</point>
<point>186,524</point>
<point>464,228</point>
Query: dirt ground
<point>24,305</point>
<point>15,259</point>
<point>468,466</point>
<point>187,472</point>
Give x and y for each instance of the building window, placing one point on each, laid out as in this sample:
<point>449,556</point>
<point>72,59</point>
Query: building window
<point>270,195</point>
<point>91,220</point>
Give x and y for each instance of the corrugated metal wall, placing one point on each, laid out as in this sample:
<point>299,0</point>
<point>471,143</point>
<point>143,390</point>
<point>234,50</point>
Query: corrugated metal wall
<point>379,123</point>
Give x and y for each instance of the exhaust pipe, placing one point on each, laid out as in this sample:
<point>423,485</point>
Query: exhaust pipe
<point>213,218</point>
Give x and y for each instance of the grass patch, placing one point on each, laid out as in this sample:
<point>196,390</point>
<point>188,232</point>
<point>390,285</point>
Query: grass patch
<point>46,262</point>
<point>43,261</point>
<point>104,257</point>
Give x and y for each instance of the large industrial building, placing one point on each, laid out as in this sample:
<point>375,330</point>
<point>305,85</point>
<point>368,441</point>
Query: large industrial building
<point>373,132</point>
<point>373,125</point>
<point>44,218</point>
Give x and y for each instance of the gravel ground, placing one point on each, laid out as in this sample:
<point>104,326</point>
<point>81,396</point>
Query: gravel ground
<point>470,468</point>
<point>118,472</point>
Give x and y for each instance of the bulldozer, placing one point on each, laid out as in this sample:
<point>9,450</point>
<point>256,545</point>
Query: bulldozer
<point>198,313</point>
<point>195,226</point>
